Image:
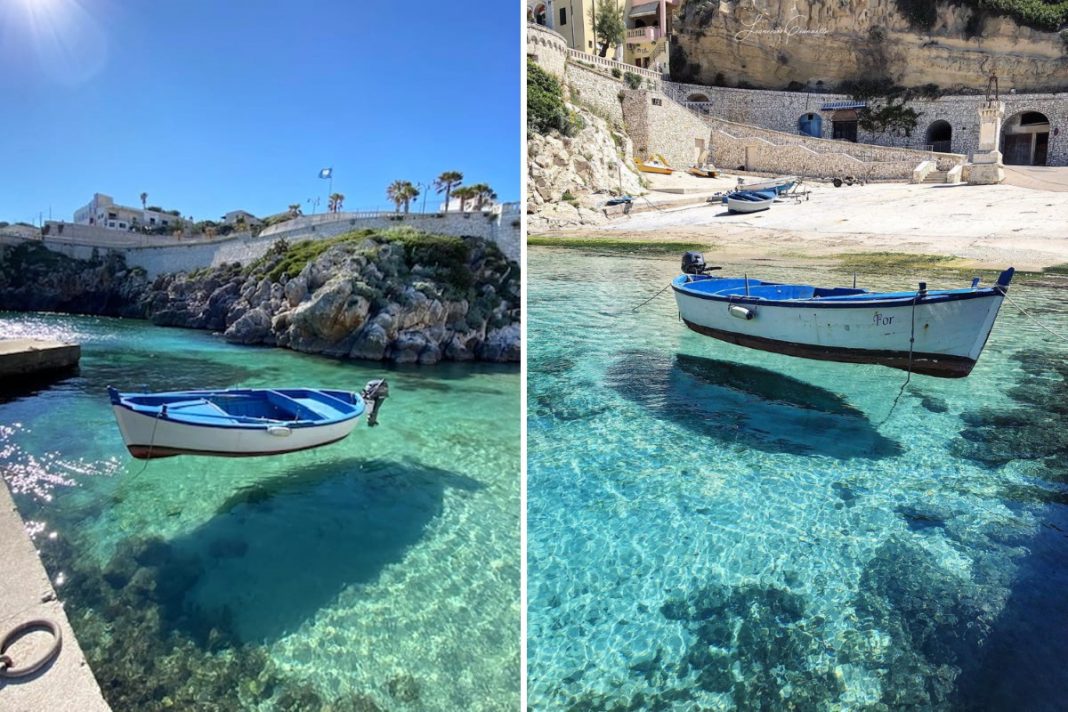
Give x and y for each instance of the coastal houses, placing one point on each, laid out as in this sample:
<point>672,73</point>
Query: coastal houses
<point>103,211</point>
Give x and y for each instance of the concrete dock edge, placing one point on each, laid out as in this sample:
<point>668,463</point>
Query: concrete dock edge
<point>26,594</point>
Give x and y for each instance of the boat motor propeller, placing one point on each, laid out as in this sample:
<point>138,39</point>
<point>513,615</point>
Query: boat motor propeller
<point>694,263</point>
<point>374,393</point>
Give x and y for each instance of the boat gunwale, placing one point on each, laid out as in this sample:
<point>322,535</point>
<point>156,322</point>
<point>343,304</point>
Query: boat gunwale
<point>119,400</point>
<point>851,302</point>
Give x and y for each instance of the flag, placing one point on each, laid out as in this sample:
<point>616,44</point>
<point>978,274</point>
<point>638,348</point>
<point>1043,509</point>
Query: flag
<point>325,173</point>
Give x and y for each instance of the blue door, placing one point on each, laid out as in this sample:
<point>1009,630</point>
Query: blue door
<point>810,125</point>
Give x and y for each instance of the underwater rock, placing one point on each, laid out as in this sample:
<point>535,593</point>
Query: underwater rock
<point>935,619</point>
<point>1035,430</point>
<point>754,643</point>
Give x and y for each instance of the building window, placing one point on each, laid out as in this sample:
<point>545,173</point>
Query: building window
<point>152,221</point>
<point>563,16</point>
<point>122,224</point>
<point>590,43</point>
<point>111,224</point>
<point>657,102</point>
<point>112,216</point>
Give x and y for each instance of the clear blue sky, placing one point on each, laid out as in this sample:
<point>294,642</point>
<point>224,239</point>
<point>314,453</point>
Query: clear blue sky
<point>216,105</point>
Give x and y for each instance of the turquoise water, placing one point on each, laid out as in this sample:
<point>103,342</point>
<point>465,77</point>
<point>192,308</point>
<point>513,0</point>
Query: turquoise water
<point>381,572</point>
<point>711,527</point>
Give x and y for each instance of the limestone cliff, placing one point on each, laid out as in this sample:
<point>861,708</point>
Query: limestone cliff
<point>778,44</point>
<point>587,168</point>
<point>396,296</point>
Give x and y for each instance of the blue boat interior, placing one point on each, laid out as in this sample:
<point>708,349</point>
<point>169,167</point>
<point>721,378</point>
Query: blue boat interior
<point>755,289</point>
<point>242,407</point>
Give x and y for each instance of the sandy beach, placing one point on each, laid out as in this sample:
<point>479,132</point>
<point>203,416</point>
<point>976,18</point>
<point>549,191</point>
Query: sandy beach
<point>980,226</point>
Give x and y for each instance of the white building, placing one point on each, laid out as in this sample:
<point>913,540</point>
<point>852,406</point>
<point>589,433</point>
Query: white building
<point>235,216</point>
<point>102,211</point>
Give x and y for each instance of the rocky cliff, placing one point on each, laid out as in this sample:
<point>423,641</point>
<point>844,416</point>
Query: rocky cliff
<point>569,175</point>
<point>396,296</point>
<point>819,44</point>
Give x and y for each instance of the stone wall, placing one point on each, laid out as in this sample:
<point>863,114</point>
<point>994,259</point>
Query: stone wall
<point>780,111</point>
<point>596,91</point>
<point>501,226</point>
<point>823,155</point>
<point>547,49</point>
<point>659,126</point>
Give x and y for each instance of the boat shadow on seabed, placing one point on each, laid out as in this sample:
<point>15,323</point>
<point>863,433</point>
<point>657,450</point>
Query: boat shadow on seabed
<point>274,554</point>
<point>748,405</point>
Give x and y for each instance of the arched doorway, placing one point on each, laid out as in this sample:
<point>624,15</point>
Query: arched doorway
<point>940,136</point>
<point>1025,139</point>
<point>810,125</point>
<point>538,13</point>
<point>844,125</point>
<point>697,97</point>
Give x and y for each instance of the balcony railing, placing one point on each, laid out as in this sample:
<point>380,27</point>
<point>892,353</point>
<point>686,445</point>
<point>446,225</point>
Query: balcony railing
<point>643,34</point>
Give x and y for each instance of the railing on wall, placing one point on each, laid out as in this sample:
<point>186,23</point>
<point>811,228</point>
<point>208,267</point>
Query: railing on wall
<point>580,56</point>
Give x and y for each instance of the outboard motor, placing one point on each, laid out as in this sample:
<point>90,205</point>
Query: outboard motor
<point>693,263</point>
<point>373,394</point>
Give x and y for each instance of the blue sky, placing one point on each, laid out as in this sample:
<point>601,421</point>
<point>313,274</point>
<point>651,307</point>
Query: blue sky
<point>215,105</point>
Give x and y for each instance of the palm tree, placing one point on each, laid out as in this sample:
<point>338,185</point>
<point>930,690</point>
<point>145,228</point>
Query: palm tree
<point>483,194</point>
<point>294,210</point>
<point>144,200</point>
<point>402,192</point>
<point>336,199</point>
<point>465,193</point>
<point>446,182</point>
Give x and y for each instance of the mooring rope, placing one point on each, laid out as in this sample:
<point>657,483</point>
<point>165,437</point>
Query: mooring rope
<point>667,287</point>
<point>1035,319</point>
<point>912,342</point>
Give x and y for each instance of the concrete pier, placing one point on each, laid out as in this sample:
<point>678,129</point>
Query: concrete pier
<point>31,357</point>
<point>26,594</point>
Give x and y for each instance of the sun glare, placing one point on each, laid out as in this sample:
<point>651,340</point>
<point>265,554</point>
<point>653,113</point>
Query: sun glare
<point>65,38</point>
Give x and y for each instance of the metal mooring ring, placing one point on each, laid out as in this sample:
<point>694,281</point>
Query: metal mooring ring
<point>9,669</point>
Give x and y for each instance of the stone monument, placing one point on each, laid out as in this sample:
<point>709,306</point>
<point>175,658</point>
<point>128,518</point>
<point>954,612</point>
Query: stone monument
<point>987,168</point>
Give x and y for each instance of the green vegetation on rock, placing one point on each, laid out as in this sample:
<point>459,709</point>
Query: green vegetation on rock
<point>546,110</point>
<point>1047,15</point>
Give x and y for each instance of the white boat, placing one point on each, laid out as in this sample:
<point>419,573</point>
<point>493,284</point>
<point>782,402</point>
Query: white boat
<point>749,201</point>
<point>779,185</point>
<point>933,332</point>
<point>240,422</point>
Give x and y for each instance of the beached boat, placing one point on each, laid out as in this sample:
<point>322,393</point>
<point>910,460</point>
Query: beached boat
<point>934,332</point>
<point>779,185</point>
<point>749,201</point>
<point>240,422</point>
<point>656,164</point>
<point>705,170</point>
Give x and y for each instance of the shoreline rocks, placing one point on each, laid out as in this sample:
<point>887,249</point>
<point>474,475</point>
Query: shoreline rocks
<point>395,296</point>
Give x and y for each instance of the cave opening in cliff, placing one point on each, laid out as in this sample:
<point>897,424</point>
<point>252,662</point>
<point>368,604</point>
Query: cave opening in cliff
<point>1025,139</point>
<point>940,136</point>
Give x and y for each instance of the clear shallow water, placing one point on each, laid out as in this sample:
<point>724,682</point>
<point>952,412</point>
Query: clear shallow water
<point>719,528</point>
<point>381,572</point>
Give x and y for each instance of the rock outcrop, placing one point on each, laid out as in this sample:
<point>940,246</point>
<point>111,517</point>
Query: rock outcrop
<point>568,176</point>
<point>819,44</point>
<point>409,298</point>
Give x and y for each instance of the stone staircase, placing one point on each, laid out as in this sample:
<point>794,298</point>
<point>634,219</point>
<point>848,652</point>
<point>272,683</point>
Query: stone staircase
<point>936,177</point>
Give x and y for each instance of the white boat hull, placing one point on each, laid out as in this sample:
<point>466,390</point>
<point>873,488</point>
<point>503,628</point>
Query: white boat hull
<point>949,335</point>
<point>149,437</point>
<point>736,205</point>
